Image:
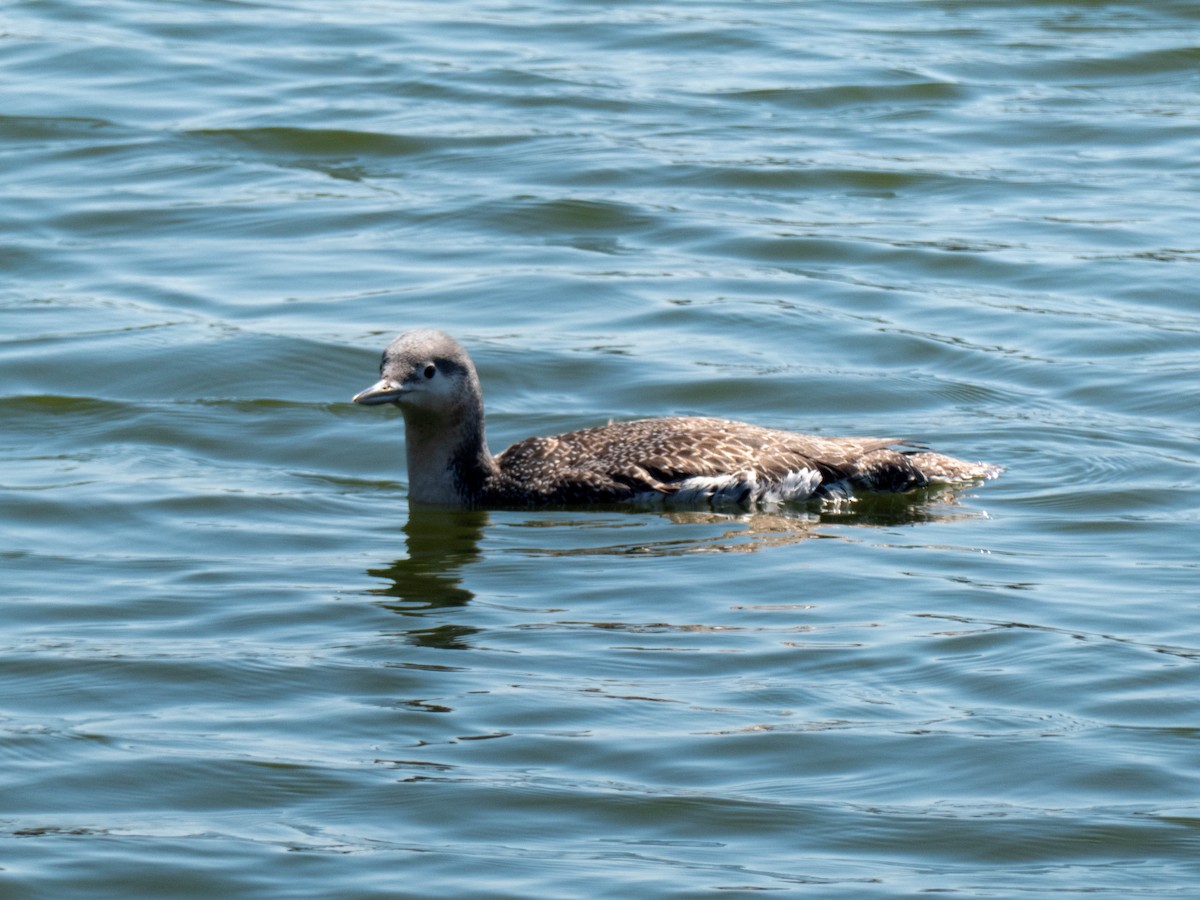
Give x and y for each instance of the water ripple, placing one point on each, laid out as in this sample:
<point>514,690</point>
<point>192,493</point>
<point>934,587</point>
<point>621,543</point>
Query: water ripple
<point>233,663</point>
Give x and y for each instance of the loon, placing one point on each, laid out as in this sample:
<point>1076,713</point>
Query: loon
<point>679,460</point>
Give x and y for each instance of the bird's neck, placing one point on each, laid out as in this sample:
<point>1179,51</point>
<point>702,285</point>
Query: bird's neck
<point>449,464</point>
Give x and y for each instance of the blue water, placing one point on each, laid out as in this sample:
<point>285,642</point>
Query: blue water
<point>231,664</point>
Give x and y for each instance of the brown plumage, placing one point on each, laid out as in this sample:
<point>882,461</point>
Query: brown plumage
<point>685,460</point>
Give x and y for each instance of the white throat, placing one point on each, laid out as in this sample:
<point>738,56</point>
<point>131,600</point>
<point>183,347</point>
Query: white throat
<point>447,461</point>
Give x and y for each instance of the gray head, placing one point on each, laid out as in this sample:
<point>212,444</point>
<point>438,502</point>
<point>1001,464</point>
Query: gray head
<point>426,372</point>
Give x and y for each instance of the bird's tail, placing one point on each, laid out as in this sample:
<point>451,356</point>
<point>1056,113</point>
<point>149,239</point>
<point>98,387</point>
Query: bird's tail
<point>941,469</point>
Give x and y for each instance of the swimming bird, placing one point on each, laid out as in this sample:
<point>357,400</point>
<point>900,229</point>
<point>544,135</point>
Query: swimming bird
<point>684,460</point>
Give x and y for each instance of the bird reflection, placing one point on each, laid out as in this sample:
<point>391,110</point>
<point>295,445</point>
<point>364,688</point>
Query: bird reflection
<point>440,545</point>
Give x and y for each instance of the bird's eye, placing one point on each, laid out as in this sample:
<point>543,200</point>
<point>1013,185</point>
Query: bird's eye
<point>430,370</point>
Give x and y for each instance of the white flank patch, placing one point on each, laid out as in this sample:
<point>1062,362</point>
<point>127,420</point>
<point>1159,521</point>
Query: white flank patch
<point>799,485</point>
<point>741,488</point>
<point>714,488</point>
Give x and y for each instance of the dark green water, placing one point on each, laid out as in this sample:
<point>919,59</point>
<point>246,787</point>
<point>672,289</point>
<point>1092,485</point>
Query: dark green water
<point>232,666</point>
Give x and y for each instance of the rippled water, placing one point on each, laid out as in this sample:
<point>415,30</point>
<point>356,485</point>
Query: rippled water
<point>232,665</point>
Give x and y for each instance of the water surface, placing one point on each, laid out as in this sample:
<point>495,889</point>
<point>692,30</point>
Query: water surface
<point>232,665</point>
